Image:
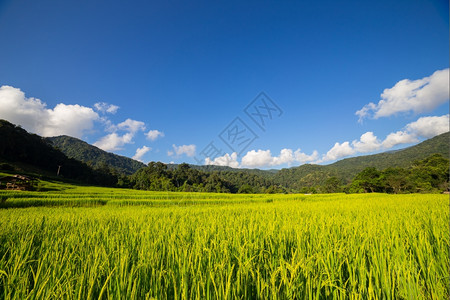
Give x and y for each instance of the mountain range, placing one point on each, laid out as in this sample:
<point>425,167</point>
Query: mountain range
<point>31,151</point>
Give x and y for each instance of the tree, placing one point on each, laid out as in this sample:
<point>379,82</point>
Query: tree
<point>245,189</point>
<point>333,185</point>
<point>395,180</point>
<point>367,181</point>
<point>430,174</point>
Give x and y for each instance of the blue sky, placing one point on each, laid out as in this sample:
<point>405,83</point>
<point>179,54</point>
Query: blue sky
<point>169,77</point>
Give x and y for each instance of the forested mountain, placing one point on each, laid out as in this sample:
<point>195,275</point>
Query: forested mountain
<point>22,151</point>
<point>93,156</point>
<point>345,170</point>
<point>420,168</point>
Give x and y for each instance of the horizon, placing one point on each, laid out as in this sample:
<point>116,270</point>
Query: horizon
<point>228,84</point>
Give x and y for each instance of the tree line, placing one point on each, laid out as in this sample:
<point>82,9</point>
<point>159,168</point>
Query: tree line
<point>430,175</point>
<point>20,150</point>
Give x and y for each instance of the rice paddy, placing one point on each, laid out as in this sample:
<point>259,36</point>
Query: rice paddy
<point>98,243</point>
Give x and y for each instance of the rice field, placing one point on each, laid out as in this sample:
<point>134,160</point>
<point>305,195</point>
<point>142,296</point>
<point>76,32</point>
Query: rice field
<point>99,243</point>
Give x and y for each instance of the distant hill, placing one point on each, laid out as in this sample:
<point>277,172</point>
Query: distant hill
<point>346,169</point>
<point>312,175</point>
<point>21,151</point>
<point>84,162</point>
<point>93,156</point>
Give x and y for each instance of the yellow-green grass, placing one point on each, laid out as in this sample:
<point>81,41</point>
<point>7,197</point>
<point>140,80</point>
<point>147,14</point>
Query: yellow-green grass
<point>219,246</point>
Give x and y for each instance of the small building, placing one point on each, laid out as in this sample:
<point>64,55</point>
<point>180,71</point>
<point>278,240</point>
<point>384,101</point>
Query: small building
<point>17,182</point>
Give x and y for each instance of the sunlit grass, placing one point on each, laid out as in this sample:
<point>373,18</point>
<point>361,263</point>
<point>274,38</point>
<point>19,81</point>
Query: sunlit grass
<point>130,244</point>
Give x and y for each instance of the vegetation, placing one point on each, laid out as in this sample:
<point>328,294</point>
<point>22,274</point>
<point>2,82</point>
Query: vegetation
<point>22,151</point>
<point>345,170</point>
<point>191,237</point>
<point>391,172</point>
<point>425,176</point>
<point>158,177</point>
<point>94,243</point>
<point>93,156</point>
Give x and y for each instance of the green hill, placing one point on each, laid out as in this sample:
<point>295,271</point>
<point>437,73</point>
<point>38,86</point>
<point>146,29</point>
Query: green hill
<point>401,158</point>
<point>23,152</point>
<point>84,162</point>
<point>93,156</point>
<point>346,169</point>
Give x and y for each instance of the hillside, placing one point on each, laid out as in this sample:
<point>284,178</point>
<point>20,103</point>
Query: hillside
<point>93,156</point>
<point>32,153</point>
<point>402,158</point>
<point>21,151</point>
<point>346,169</point>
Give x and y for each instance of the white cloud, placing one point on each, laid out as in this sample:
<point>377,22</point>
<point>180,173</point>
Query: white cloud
<point>260,158</point>
<point>33,114</point>
<point>264,158</point>
<point>397,138</point>
<point>305,158</point>
<point>338,151</point>
<point>424,127</point>
<point>429,127</point>
<point>141,152</point>
<point>154,134</point>
<point>419,96</point>
<point>188,150</point>
<point>131,125</point>
<point>286,157</point>
<point>115,141</point>
<point>368,142</point>
<point>225,160</point>
<point>73,120</point>
<point>106,108</point>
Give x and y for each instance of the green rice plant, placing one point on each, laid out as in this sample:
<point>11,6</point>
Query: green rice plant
<point>144,245</point>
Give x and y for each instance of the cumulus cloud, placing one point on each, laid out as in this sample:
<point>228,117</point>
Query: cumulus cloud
<point>154,134</point>
<point>188,150</point>
<point>225,160</point>
<point>338,151</point>
<point>368,142</point>
<point>115,141</point>
<point>73,120</point>
<point>259,158</point>
<point>429,127</point>
<point>303,158</point>
<point>419,96</point>
<point>33,114</point>
<point>424,127</point>
<point>264,158</point>
<point>131,125</point>
<point>398,138</point>
<point>140,152</point>
<point>104,107</point>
